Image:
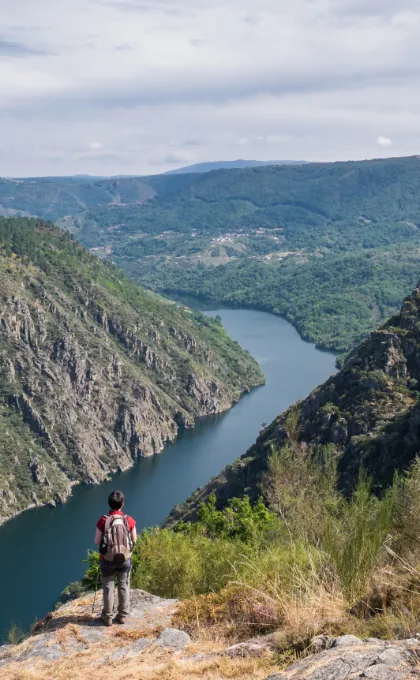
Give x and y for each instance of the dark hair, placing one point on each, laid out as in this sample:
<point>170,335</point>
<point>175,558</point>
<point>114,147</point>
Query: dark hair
<point>116,500</point>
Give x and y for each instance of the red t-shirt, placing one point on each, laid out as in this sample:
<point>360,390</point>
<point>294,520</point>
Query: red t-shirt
<point>101,522</point>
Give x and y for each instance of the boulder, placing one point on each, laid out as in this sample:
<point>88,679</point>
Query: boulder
<point>350,659</point>
<point>253,648</point>
<point>172,637</point>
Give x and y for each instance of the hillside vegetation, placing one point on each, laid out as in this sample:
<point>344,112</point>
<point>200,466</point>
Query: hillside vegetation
<point>367,415</point>
<point>334,247</point>
<point>94,371</point>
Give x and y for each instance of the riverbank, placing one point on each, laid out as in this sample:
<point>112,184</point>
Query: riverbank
<point>203,303</point>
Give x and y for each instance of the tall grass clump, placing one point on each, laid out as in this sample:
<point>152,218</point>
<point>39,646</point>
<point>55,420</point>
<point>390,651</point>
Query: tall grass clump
<point>355,536</point>
<point>301,490</point>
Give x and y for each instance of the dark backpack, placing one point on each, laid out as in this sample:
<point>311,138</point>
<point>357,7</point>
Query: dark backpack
<point>116,545</point>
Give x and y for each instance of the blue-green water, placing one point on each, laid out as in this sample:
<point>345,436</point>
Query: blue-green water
<point>45,548</point>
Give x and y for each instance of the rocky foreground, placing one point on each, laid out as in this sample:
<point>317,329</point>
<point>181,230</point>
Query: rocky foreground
<point>71,643</point>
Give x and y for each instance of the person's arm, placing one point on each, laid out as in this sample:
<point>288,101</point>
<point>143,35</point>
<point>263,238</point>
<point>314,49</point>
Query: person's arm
<point>98,537</point>
<point>134,534</point>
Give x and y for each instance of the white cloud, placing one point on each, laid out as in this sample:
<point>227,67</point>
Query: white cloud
<point>310,79</point>
<point>384,141</point>
<point>95,146</point>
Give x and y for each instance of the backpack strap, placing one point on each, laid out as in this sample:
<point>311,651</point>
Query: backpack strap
<point>108,521</point>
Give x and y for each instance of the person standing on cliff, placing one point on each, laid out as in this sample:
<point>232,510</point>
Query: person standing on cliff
<point>115,537</point>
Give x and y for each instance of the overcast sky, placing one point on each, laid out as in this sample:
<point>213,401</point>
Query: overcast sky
<point>144,86</point>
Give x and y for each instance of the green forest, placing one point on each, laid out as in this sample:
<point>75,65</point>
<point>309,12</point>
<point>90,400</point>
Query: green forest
<point>333,247</point>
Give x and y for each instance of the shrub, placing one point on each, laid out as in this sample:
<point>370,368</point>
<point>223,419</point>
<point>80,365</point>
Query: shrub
<point>301,489</point>
<point>356,536</point>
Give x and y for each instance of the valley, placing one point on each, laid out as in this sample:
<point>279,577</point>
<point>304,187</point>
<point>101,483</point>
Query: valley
<point>98,374</point>
<point>155,485</point>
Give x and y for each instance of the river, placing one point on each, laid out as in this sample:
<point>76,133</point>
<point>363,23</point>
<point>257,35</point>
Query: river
<point>43,549</point>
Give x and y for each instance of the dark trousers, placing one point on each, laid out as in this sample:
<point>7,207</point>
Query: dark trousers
<point>108,572</point>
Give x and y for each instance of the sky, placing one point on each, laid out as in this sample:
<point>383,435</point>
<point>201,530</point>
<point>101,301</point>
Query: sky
<point>105,87</point>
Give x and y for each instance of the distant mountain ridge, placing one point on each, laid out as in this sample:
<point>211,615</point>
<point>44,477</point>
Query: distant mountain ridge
<point>229,165</point>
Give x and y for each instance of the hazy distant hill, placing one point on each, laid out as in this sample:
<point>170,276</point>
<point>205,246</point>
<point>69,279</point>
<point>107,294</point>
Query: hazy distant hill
<point>228,165</point>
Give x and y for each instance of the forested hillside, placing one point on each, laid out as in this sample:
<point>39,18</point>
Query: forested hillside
<point>366,416</point>
<point>94,371</point>
<point>334,247</point>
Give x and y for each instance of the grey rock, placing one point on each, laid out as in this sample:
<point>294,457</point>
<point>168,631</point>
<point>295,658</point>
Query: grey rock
<point>376,641</point>
<point>253,648</point>
<point>131,650</point>
<point>172,637</point>
<point>321,642</point>
<point>382,672</point>
<point>413,642</point>
<point>91,633</point>
<point>355,659</point>
<point>45,647</point>
<point>346,641</point>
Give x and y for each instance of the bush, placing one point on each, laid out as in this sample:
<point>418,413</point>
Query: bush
<point>178,564</point>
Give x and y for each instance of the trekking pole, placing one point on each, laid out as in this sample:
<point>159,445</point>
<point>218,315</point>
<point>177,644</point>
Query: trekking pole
<point>96,590</point>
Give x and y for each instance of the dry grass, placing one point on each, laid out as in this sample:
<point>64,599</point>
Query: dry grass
<point>242,610</point>
<point>154,664</point>
<point>133,634</point>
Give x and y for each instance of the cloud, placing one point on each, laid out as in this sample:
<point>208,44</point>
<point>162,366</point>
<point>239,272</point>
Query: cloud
<point>251,18</point>
<point>197,42</point>
<point>384,141</point>
<point>95,146</point>
<point>163,82</point>
<point>10,48</point>
<point>194,142</point>
<point>373,8</point>
<point>146,7</point>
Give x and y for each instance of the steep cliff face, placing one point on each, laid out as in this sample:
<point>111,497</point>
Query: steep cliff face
<point>368,413</point>
<point>95,372</point>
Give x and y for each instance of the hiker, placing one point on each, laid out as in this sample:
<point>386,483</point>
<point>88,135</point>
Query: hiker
<point>115,536</point>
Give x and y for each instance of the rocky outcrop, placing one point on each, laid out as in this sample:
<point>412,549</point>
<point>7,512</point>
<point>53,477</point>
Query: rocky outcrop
<point>74,628</point>
<point>73,637</point>
<point>96,373</point>
<point>349,658</point>
<point>367,415</point>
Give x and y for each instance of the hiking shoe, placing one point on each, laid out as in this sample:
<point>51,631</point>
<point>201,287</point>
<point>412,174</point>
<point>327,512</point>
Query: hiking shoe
<point>120,619</point>
<point>106,620</point>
